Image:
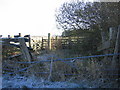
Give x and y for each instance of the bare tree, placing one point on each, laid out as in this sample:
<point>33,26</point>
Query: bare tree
<point>77,15</point>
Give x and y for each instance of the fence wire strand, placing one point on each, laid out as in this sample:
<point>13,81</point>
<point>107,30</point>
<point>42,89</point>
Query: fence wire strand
<point>36,62</point>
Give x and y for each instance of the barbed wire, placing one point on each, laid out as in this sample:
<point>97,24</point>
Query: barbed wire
<point>83,57</point>
<point>67,59</point>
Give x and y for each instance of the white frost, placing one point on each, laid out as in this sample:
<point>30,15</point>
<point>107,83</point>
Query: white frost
<point>33,82</point>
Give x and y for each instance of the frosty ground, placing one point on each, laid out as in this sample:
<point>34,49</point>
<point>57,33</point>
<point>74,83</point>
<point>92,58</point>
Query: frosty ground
<point>33,82</point>
<point>18,81</point>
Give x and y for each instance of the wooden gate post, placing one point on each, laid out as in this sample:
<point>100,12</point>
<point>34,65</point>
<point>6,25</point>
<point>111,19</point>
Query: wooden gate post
<point>24,49</point>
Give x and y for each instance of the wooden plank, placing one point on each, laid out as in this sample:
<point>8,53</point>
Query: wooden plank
<point>14,39</point>
<point>14,45</point>
<point>27,36</point>
<point>5,40</point>
<point>13,56</point>
<point>24,49</point>
<point>18,35</point>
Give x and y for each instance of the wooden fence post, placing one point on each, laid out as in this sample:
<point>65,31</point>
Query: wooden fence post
<point>20,35</point>
<point>49,42</point>
<point>8,36</point>
<point>117,44</point>
<point>115,60</point>
<point>42,44</point>
<point>112,33</point>
<point>56,38</point>
<point>29,41</point>
<point>56,42</point>
<point>51,69</point>
<point>24,49</point>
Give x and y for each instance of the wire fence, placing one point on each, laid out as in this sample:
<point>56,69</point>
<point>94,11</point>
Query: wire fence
<point>65,59</point>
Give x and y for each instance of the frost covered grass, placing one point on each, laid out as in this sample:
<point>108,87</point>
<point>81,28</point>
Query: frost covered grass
<point>88,77</point>
<point>33,82</point>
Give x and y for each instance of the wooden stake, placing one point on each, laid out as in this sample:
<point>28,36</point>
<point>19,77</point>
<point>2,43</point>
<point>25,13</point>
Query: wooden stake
<point>51,68</point>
